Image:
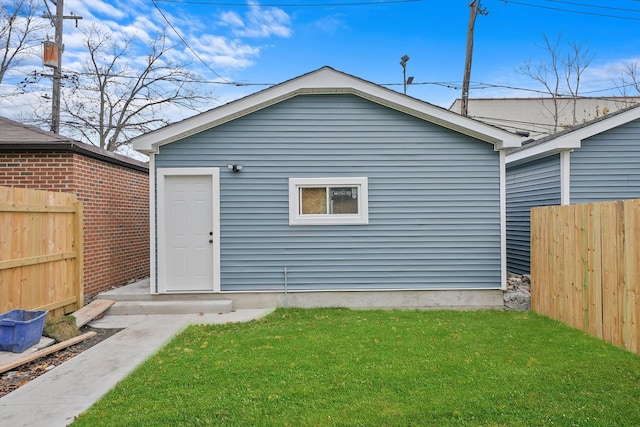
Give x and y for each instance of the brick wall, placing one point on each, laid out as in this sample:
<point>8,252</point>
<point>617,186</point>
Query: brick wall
<point>116,210</point>
<point>40,171</point>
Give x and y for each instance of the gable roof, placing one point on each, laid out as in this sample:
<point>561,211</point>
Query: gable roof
<point>572,138</point>
<point>18,137</point>
<point>325,80</point>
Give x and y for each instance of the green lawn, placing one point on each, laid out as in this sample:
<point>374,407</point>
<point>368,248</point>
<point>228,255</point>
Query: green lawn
<point>338,367</point>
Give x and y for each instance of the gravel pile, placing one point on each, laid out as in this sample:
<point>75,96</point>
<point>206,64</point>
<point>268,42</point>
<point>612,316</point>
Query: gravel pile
<point>518,294</point>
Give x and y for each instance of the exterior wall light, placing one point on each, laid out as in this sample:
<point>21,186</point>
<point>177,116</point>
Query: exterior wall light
<point>235,167</point>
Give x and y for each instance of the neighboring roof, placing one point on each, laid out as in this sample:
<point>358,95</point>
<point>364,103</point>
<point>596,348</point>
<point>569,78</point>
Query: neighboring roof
<point>536,115</point>
<point>325,80</point>
<point>17,137</point>
<point>628,100</point>
<point>572,138</point>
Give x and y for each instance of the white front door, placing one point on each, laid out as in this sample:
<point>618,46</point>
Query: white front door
<point>188,230</point>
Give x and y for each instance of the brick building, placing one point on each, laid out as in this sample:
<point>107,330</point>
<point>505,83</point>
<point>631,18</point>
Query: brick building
<point>113,188</point>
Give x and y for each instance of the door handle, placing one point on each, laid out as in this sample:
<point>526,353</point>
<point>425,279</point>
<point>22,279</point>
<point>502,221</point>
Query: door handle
<point>210,240</point>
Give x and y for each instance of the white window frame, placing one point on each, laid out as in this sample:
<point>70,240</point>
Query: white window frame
<point>297,218</point>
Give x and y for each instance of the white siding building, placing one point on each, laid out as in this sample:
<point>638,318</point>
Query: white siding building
<point>537,115</point>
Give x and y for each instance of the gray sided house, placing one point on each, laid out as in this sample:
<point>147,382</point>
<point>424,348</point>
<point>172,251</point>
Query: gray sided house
<point>328,190</point>
<point>594,162</point>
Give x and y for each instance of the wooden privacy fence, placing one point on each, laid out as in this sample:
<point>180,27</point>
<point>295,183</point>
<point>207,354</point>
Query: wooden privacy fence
<point>585,268</point>
<point>40,251</point>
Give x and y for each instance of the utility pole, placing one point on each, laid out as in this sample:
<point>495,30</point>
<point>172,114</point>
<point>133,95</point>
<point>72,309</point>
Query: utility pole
<point>57,22</point>
<point>57,71</point>
<point>476,9</point>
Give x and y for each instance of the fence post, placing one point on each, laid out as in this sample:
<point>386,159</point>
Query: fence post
<point>78,243</point>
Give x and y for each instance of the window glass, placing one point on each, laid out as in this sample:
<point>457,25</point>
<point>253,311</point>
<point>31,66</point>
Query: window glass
<point>313,201</point>
<point>320,201</point>
<point>344,200</point>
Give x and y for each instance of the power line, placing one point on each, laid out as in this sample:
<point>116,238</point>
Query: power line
<point>475,85</point>
<point>359,3</point>
<point>566,95</point>
<point>187,44</point>
<point>595,6</point>
<point>453,85</point>
<point>514,124</point>
<point>571,10</point>
<point>181,80</point>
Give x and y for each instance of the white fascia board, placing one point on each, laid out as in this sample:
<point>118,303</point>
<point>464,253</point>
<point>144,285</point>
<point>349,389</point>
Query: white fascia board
<point>543,150</point>
<point>499,138</point>
<point>225,113</point>
<point>573,140</point>
<point>325,81</point>
<point>340,82</point>
<point>606,124</point>
<point>149,143</point>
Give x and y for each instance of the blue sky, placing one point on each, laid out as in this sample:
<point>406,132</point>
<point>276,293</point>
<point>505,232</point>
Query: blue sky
<point>274,40</point>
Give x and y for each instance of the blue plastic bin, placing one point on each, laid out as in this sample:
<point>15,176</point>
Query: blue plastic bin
<point>21,329</point>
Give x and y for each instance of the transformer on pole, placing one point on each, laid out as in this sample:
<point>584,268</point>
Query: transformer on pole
<point>53,58</point>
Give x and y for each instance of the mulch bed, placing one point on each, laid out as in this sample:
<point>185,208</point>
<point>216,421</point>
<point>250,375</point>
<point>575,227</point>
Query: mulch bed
<point>21,375</point>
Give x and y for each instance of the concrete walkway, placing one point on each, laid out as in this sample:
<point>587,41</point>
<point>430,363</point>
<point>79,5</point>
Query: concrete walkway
<point>56,398</point>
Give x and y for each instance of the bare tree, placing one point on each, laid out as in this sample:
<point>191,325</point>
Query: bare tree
<point>559,74</point>
<point>628,84</point>
<point>20,27</point>
<point>577,60</point>
<point>630,79</point>
<point>119,96</point>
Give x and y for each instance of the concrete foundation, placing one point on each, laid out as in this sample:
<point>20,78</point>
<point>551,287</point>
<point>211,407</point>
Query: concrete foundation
<point>410,299</point>
<point>421,300</point>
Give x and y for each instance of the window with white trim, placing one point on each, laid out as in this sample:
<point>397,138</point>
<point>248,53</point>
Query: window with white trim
<point>331,201</point>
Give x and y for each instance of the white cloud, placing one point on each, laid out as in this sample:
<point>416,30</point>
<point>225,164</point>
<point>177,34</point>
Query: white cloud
<point>229,61</point>
<point>20,104</point>
<point>268,22</point>
<point>331,24</point>
<point>223,52</point>
<point>224,43</point>
<point>258,22</point>
<point>142,29</point>
<point>608,71</point>
<point>89,9</point>
<point>231,19</point>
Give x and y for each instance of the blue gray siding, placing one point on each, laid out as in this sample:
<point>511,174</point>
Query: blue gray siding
<point>434,218</point>
<point>607,166</point>
<point>536,183</point>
